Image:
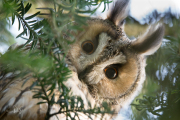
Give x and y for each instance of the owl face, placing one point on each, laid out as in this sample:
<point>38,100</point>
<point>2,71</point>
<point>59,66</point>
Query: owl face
<point>105,65</point>
<point>103,59</point>
<point>107,61</point>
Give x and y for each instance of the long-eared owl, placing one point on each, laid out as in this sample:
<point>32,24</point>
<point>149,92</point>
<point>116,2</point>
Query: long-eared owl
<point>105,64</point>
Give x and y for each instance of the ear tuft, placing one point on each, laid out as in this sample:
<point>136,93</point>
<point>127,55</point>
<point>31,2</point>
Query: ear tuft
<point>150,41</point>
<point>119,12</point>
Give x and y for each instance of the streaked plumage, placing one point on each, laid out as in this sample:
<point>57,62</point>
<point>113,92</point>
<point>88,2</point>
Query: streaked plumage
<point>105,65</point>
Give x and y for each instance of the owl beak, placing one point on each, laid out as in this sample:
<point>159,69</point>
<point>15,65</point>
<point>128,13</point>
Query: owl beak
<point>82,74</point>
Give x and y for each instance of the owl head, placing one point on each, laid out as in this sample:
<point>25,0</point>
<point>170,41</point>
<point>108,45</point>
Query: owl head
<point>110,64</point>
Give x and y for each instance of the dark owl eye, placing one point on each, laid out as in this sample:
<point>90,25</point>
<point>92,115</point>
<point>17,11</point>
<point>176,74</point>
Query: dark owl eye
<point>111,72</point>
<point>88,47</point>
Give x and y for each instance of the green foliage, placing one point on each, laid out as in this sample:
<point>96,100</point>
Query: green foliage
<point>163,68</point>
<point>5,36</point>
<point>44,52</point>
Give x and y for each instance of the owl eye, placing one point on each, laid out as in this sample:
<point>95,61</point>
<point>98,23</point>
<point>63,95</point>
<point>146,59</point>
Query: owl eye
<point>88,47</point>
<point>111,72</point>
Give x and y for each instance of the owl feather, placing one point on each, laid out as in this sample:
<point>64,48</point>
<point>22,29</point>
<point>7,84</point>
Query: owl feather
<point>106,66</point>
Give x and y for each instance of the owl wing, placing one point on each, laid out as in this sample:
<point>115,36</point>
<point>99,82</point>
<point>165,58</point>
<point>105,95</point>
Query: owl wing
<point>17,100</point>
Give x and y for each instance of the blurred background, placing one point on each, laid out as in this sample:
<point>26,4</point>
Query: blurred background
<point>160,96</point>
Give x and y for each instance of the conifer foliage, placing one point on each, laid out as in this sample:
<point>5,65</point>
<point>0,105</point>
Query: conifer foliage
<point>40,54</point>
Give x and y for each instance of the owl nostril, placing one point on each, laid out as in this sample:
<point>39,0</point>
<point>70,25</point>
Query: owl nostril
<point>110,41</point>
<point>82,74</point>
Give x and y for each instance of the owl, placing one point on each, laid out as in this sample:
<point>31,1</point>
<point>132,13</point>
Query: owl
<point>106,66</point>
